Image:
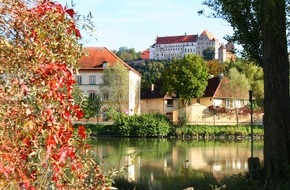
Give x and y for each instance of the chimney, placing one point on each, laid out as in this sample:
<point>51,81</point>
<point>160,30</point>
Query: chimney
<point>152,87</point>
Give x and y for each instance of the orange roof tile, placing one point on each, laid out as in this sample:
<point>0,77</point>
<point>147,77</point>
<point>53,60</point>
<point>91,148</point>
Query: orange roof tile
<point>176,39</point>
<point>96,56</point>
<point>145,55</point>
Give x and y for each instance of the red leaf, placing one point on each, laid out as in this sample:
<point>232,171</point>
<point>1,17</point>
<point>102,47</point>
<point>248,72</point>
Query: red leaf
<point>71,12</point>
<point>81,131</point>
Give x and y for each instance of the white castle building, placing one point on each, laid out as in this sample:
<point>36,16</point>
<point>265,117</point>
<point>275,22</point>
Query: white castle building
<point>169,47</point>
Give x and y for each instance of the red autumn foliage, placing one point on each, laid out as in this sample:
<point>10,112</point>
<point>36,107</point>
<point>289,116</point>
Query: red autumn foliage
<point>39,147</point>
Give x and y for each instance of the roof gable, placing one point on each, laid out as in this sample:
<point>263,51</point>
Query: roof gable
<point>96,57</point>
<point>209,35</point>
<point>212,87</point>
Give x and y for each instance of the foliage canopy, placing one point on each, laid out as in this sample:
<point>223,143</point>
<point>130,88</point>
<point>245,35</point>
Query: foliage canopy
<point>187,77</point>
<point>39,147</point>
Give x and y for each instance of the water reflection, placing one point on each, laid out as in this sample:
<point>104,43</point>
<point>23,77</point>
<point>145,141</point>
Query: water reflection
<point>151,158</point>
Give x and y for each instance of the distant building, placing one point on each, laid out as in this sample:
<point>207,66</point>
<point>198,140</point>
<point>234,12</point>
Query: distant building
<point>169,47</point>
<point>207,40</point>
<point>156,101</point>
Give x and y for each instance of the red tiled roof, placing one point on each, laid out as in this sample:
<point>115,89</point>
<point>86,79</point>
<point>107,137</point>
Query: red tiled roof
<point>145,55</point>
<point>176,39</point>
<point>96,56</point>
<point>222,92</point>
<point>213,88</point>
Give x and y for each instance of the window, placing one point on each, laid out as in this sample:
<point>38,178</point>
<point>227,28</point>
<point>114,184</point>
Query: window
<point>92,79</point>
<point>79,80</point>
<point>105,96</point>
<point>92,95</point>
<point>170,103</point>
<point>227,103</point>
<point>104,114</point>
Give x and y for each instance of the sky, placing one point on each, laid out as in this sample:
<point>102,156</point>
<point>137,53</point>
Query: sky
<point>137,23</point>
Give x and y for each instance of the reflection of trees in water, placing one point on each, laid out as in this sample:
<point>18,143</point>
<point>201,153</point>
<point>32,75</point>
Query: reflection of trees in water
<point>163,157</point>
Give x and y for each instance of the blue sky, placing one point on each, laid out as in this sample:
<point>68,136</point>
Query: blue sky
<point>137,23</point>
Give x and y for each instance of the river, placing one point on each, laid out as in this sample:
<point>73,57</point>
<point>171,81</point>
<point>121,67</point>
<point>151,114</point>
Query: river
<point>152,158</point>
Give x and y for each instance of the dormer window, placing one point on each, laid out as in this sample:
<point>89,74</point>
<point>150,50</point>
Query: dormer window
<point>105,64</point>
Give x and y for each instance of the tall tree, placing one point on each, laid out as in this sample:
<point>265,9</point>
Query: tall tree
<point>254,73</point>
<point>187,77</point>
<point>216,68</point>
<point>116,86</point>
<point>92,106</point>
<point>262,32</point>
<point>151,73</point>
<point>236,87</point>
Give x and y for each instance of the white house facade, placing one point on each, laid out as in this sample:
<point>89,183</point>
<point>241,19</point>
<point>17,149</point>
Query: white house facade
<point>90,78</point>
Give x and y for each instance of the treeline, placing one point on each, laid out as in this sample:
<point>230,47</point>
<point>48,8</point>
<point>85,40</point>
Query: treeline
<point>246,73</point>
<point>127,54</point>
<point>154,72</point>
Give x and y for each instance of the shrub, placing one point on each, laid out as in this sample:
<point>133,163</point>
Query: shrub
<point>147,125</point>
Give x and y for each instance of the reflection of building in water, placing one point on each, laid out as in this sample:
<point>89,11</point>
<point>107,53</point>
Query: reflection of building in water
<point>150,162</point>
<point>133,162</point>
<point>214,158</point>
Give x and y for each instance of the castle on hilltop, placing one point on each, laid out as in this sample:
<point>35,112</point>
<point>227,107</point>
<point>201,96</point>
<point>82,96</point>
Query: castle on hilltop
<point>169,47</point>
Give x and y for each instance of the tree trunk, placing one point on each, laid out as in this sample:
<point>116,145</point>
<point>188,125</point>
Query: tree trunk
<point>276,86</point>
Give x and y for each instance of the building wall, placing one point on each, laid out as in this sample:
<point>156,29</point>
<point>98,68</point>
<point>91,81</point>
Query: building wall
<point>203,42</point>
<point>134,93</point>
<point>156,105</point>
<point>203,101</point>
<point>177,50</point>
<point>200,114</point>
<point>86,88</point>
<point>222,102</point>
<point>159,105</point>
<point>173,50</point>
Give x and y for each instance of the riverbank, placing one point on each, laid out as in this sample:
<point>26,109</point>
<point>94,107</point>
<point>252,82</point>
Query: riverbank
<point>230,132</point>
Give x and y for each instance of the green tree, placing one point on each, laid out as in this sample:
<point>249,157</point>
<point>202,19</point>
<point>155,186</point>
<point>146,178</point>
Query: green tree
<point>262,32</point>
<point>237,86</point>
<point>151,73</point>
<point>127,54</point>
<point>116,86</point>
<point>187,77</point>
<point>216,68</point>
<point>208,53</point>
<point>92,106</point>
<point>255,76</point>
